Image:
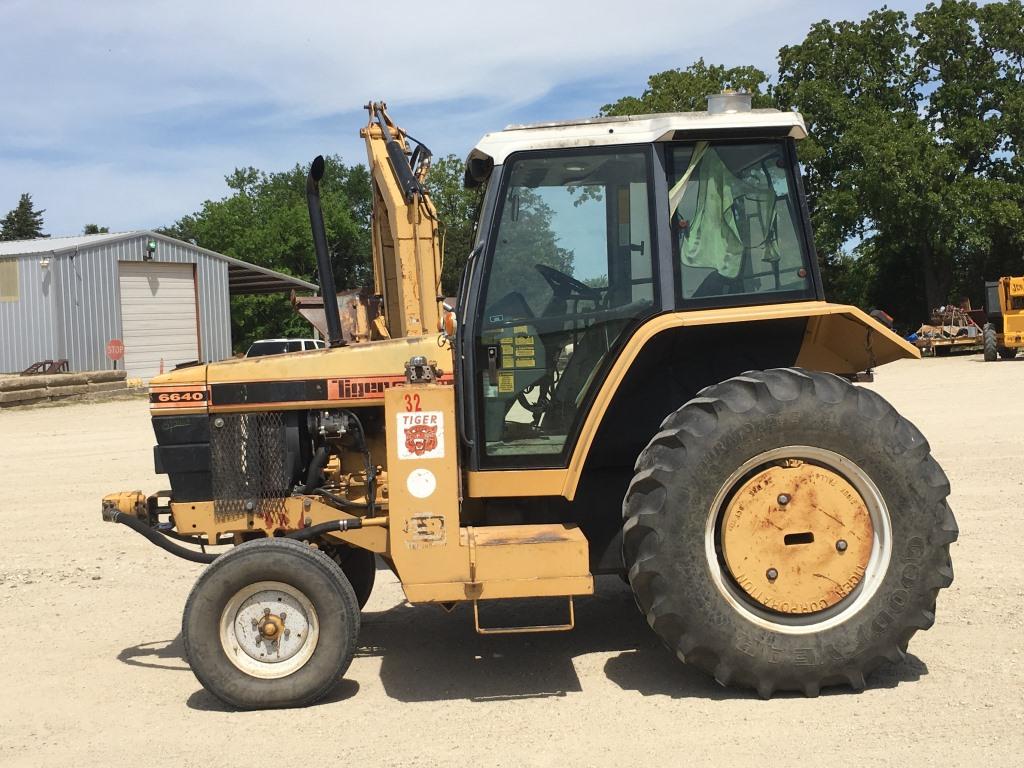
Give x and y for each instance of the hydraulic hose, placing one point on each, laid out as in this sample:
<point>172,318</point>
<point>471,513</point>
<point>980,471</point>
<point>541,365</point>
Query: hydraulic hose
<point>159,539</point>
<point>316,468</point>
<point>338,501</point>
<point>348,524</point>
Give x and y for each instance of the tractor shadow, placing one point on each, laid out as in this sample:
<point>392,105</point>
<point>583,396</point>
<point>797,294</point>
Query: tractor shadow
<point>161,654</point>
<point>204,701</point>
<point>170,655</point>
<point>429,656</point>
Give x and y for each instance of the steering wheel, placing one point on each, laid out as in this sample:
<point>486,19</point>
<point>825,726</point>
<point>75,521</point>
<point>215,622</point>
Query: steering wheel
<point>565,286</point>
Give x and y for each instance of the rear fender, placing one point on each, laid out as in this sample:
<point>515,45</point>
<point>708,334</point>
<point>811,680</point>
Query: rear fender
<point>837,339</point>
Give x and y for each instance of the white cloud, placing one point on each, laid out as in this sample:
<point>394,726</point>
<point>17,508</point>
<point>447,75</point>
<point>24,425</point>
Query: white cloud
<point>129,113</point>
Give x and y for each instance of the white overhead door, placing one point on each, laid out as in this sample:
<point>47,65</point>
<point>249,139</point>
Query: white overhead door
<point>158,316</point>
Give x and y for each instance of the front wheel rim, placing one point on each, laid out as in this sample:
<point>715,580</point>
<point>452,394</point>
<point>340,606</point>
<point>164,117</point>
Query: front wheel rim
<point>821,612</point>
<point>269,629</point>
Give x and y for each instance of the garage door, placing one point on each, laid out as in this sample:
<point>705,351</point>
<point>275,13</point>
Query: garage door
<point>158,316</point>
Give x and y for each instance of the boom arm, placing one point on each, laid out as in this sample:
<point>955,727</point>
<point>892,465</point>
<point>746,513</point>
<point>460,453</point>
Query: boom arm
<point>406,245</point>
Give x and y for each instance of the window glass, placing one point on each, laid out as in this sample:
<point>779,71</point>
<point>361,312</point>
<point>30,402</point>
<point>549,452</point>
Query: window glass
<point>734,219</point>
<point>571,271</point>
<point>8,279</point>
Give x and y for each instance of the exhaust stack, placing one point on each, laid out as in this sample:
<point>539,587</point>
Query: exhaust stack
<point>323,259</point>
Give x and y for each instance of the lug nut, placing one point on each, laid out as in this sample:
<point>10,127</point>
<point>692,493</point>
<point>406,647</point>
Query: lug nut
<point>283,615</point>
<point>783,499</point>
<point>772,574</point>
<point>841,545</point>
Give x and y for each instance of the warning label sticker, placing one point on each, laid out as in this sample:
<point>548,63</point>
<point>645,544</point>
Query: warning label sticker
<point>421,435</point>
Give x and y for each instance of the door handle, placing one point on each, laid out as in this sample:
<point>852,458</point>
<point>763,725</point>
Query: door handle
<point>493,363</point>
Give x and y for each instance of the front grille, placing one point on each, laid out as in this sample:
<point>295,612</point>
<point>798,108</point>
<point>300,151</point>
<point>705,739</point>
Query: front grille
<point>249,463</point>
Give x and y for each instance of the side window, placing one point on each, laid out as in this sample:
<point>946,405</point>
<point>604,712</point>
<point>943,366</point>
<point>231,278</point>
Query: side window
<point>735,222</point>
<point>8,279</point>
<point>570,272</point>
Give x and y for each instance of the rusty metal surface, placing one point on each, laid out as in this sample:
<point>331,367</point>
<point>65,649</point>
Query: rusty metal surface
<point>797,539</point>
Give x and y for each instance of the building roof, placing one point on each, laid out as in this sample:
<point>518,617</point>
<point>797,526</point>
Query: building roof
<point>636,129</point>
<point>56,244</point>
<point>243,278</point>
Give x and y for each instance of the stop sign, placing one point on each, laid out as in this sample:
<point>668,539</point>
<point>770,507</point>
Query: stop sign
<point>115,349</point>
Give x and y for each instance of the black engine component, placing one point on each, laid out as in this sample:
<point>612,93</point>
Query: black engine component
<point>234,459</point>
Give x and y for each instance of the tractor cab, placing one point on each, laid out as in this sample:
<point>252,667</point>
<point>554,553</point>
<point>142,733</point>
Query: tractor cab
<point>589,228</point>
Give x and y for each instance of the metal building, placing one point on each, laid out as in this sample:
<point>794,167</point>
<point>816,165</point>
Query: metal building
<point>167,300</point>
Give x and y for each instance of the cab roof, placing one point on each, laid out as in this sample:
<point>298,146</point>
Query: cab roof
<point>636,129</point>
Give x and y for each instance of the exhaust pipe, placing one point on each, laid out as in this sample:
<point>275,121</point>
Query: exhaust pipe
<point>323,259</point>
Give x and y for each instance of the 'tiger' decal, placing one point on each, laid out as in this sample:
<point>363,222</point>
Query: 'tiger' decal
<point>421,435</point>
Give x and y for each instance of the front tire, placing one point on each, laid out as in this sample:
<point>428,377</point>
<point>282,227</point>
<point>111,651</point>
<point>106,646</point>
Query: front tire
<point>781,609</point>
<point>991,343</point>
<point>271,623</point>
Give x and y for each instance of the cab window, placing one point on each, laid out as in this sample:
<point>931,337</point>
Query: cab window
<point>736,231</point>
<point>570,273</point>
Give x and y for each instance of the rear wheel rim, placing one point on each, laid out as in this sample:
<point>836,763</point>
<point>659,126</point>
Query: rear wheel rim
<point>843,555</point>
<point>269,629</point>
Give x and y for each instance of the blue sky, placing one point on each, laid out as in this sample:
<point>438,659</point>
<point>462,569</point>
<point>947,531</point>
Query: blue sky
<point>130,114</point>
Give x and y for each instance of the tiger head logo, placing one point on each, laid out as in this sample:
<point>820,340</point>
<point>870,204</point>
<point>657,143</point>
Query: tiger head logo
<point>421,438</point>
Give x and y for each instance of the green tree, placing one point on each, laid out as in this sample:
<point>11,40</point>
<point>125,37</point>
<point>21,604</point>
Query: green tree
<point>687,90</point>
<point>95,229</point>
<point>457,210</point>
<point>265,221</point>
<point>913,151</point>
<point>23,222</point>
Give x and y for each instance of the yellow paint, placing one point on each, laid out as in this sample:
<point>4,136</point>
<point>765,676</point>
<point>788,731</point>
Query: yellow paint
<point>1011,305</point>
<point>829,545</point>
<point>406,246</point>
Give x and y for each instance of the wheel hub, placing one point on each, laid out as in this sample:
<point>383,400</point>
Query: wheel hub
<point>797,537</point>
<point>269,629</point>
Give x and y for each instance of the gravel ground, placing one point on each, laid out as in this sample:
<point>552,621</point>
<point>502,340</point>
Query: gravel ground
<point>93,658</point>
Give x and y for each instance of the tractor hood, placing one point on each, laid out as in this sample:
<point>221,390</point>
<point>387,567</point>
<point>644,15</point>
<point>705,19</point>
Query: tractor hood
<point>330,378</point>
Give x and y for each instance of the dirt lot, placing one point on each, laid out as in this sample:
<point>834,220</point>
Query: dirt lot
<point>94,674</point>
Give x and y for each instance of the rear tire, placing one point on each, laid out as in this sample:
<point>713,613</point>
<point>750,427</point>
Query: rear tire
<point>991,341</point>
<point>1007,353</point>
<point>673,531</point>
<point>293,664</point>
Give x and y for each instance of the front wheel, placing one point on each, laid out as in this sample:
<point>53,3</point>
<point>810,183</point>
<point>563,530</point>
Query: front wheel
<point>786,530</point>
<point>271,623</point>
<point>990,340</point>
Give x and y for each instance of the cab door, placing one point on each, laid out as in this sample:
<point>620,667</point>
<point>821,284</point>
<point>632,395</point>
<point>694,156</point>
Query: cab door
<point>564,275</point>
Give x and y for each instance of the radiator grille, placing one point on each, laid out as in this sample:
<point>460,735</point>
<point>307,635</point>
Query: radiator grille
<point>248,459</point>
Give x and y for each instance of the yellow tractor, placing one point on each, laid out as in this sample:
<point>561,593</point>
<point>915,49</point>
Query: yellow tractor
<point>641,377</point>
<point>1004,333</point>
